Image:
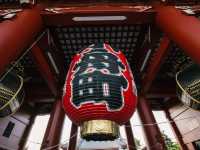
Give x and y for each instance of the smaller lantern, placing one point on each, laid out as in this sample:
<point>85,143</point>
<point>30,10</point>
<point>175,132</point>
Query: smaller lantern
<point>11,94</point>
<point>188,86</point>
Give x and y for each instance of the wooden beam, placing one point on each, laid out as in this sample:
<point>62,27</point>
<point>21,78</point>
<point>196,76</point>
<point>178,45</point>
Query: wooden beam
<point>155,64</point>
<point>162,92</point>
<point>54,128</point>
<point>191,146</point>
<point>183,29</point>
<point>129,136</point>
<point>44,69</point>
<point>146,48</point>
<point>52,52</point>
<point>27,131</point>
<point>175,130</point>
<point>61,3</point>
<point>73,137</point>
<point>64,16</point>
<point>17,34</point>
<point>153,136</point>
<point>54,57</point>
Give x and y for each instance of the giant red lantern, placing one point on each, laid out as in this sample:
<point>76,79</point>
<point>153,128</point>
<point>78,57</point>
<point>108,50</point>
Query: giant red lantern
<point>99,92</point>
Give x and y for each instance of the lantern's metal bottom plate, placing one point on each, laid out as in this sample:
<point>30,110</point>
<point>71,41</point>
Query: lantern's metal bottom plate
<point>99,130</point>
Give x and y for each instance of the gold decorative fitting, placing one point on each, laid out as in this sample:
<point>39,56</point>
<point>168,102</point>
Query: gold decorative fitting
<point>99,130</point>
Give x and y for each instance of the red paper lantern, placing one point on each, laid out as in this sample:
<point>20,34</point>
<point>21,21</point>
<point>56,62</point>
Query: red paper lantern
<point>99,86</point>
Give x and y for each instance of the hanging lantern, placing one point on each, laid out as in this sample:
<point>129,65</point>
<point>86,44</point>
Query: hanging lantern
<point>11,94</point>
<point>188,86</point>
<point>99,92</point>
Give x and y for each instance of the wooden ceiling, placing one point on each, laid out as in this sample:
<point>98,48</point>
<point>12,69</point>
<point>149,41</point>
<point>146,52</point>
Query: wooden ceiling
<point>154,58</point>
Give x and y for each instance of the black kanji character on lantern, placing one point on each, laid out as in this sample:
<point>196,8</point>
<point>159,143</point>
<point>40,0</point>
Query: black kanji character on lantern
<point>98,79</point>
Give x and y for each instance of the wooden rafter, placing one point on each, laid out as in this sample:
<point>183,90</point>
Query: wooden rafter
<point>65,16</point>
<point>15,38</point>
<point>44,69</point>
<point>151,39</point>
<point>155,64</point>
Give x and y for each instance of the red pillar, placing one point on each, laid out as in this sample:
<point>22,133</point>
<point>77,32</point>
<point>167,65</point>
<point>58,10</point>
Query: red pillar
<point>27,131</point>
<point>73,137</point>
<point>153,136</point>
<point>182,29</point>
<point>191,146</point>
<point>129,136</point>
<point>176,131</point>
<point>17,34</point>
<point>54,128</point>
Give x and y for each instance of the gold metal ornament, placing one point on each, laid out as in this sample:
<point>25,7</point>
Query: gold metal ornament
<point>99,130</point>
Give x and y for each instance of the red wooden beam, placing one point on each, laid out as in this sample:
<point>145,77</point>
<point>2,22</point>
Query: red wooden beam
<point>57,66</point>
<point>161,94</point>
<point>65,15</point>
<point>176,131</point>
<point>62,3</point>
<point>182,29</point>
<point>129,136</point>
<point>153,136</point>
<point>27,131</point>
<point>73,137</point>
<point>39,93</point>
<point>155,64</point>
<point>191,146</point>
<point>17,34</point>
<point>54,128</point>
<point>44,69</point>
<point>157,91</point>
<point>149,44</point>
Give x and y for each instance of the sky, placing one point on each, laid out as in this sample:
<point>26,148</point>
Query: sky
<point>38,130</point>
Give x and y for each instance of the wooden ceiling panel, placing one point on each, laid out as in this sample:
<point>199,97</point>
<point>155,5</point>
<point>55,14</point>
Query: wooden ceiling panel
<point>126,38</point>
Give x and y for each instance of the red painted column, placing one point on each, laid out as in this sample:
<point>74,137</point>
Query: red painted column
<point>129,136</point>
<point>182,29</point>
<point>176,131</point>
<point>54,128</point>
<point>153,136</point>
<point>190,146</point>
<point>27,131</point>
<point>17,34</point>
<point>73,137</point>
